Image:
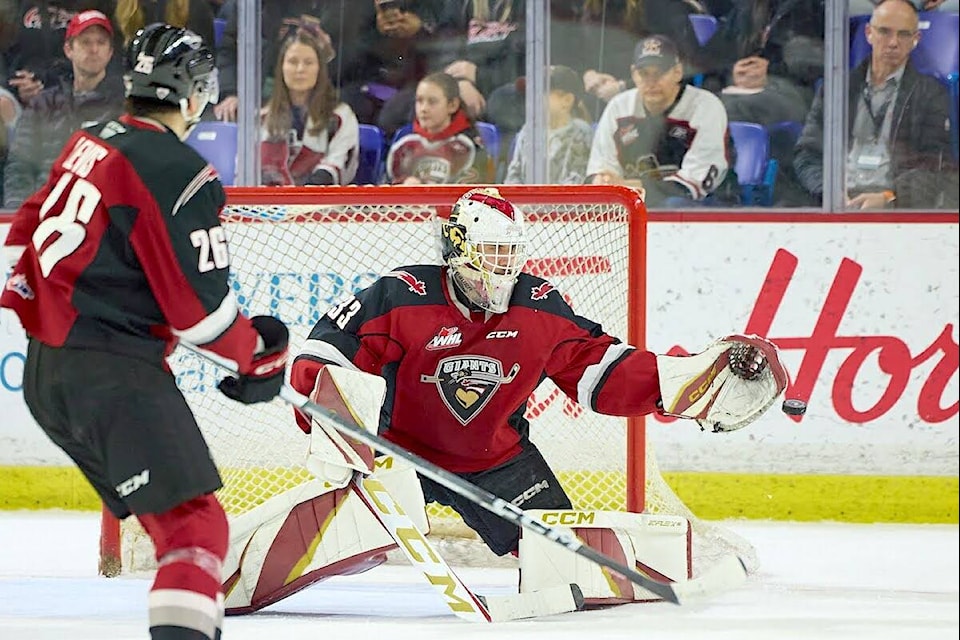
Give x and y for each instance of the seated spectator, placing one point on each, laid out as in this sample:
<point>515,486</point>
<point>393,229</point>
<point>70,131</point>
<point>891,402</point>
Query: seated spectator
<point>195,15</point>
<point>786,35</point>
<point>444,146</point>
<point>408,40</point>
<point>487,59</point>
<point>569,135</point>
<point>34,58</point>
<point>92,96</point>
<point>664,136</point>
<point>899,152</point>
<point>756,96</point>
<point>309,137</point>
<point>605,33</point>
<point>351,26</point>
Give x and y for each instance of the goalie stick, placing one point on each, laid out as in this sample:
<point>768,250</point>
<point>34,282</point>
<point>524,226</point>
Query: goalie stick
<point>726,573</point>
<point>463,602</point>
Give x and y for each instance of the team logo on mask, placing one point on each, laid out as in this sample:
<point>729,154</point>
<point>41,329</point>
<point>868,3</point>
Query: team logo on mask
<point>466,383</point>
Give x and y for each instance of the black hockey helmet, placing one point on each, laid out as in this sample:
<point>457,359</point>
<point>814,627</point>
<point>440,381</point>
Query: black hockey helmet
<point>169,64</point>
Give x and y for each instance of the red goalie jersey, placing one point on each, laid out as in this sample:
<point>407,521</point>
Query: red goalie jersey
<point>458,381</point>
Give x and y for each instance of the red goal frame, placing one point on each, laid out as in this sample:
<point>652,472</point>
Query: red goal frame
<point>442,197</point>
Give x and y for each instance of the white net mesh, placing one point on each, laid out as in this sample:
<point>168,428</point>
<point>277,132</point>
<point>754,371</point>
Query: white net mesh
<point>295,261</point>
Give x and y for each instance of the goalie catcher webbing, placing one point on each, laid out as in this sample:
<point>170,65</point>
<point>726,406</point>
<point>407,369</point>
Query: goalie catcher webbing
<point>720,393</point>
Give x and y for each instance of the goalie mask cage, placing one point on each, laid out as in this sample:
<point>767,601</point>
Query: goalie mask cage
<point>297,252</point>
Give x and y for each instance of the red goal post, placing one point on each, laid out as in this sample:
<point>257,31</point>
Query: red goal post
<point>295,252</point>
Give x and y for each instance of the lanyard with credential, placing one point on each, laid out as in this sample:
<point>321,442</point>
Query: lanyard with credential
<point>881,113</point>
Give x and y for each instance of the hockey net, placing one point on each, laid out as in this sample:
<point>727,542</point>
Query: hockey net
<point>297,252</point>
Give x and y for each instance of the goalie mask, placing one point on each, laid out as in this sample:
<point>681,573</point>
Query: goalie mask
<point>170,65</point>
<point>484,244</point>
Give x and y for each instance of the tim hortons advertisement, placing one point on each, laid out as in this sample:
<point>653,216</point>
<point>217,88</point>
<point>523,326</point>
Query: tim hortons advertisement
<point>866,314</point>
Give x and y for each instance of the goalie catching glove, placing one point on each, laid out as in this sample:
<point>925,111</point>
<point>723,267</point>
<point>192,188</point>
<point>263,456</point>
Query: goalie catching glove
<point>263,381</point>
<point>727,386</point>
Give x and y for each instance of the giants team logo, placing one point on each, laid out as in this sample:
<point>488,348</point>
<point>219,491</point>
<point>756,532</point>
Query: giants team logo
<point>466,383</point>
<point>446,338</point>
<point>541,291</point>
<point>418,287</point>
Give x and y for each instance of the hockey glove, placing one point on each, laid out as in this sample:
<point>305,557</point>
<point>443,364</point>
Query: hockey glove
<point>727,386</point>
<point>262,383</point>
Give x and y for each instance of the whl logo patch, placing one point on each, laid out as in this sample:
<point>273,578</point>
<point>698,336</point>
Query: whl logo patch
<point>466,383</point>
<point>446,338</point>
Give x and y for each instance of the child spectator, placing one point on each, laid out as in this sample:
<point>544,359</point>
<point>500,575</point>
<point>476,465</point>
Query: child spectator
<point>195,15</point>
<point>444,146</point>
<point>308,136</point>
<point>92,95</point>
<point>569,136</point>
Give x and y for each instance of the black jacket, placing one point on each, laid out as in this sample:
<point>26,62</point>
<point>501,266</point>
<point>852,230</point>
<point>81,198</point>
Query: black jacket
<point>920,134</point>
<point>46,124</point>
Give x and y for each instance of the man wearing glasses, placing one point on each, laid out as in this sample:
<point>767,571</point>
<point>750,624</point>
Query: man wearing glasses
<point>899,152</point>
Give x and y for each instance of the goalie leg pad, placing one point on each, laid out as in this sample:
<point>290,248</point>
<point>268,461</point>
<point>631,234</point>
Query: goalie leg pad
<point>190,542</point>
<point>656,545</point>
<point>296,539</point>
<point>310,533</point>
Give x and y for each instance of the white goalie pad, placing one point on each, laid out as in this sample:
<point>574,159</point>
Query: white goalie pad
<point>721,388</point>
<point>310,533</point>
<point>657,545</point>
<point>355,397</point>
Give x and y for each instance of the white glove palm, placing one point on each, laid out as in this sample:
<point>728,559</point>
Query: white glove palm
<point>725,387</point>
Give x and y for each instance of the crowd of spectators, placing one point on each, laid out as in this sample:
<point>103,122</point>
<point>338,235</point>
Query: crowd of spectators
<point>639,95</point>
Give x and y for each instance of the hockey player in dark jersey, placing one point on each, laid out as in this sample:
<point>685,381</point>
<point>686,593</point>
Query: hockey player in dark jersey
<point>117,258</point>
<point>441,359</point>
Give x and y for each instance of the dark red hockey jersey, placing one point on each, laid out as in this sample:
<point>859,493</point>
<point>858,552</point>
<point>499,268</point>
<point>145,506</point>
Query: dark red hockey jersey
<point>457,384</point>
<point>122,249</point>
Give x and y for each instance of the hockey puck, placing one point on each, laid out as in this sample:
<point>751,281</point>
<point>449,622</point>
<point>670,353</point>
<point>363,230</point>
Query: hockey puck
<point>794,407</point>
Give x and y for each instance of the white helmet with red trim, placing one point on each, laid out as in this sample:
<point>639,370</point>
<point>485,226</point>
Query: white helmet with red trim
<point>485,245</point>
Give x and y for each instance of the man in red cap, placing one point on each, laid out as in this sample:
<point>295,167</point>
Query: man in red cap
<point>90,95</point>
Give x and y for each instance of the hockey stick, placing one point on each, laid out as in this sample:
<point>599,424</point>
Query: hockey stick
<point>726,574</point>
<point>461,600</point>
<point>671,592</point>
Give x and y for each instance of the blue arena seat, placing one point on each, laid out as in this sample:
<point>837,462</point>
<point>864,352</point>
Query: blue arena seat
<point>756,171</point>
<point>373,146</point>
<point>704,25</point>
<point>217,143</point>
<point>491,138</point>
<point>219,24</point>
